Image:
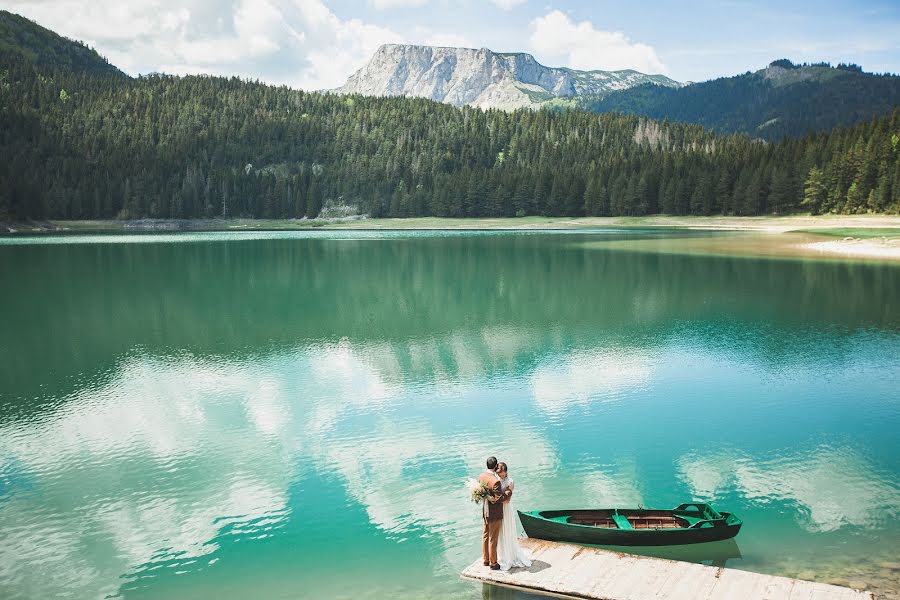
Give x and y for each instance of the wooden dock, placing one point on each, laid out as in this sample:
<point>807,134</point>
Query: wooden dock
<point>574,571</point>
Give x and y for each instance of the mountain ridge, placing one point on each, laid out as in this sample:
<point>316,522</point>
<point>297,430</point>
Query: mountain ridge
<point>481,77</point>
<point>75,145</point>
<point>46,48</point>
<point>780,100</point>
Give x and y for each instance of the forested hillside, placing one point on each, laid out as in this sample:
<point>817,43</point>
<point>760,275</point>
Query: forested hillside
<point>77,144</point>
<point>45,48</point>
<point>784,99</point>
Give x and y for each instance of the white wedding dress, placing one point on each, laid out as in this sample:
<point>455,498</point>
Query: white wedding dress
<point>509,553</point>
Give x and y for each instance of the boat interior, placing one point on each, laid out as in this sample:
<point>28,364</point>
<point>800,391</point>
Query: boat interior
<point>624,520</point>
<point>685,516</point>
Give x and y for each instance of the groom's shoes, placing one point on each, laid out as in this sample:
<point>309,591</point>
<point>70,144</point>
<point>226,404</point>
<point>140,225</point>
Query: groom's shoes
<point>495,567</point>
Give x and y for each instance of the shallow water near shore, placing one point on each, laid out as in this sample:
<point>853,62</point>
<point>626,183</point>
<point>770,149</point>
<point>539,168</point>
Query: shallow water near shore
<point>294,414</point>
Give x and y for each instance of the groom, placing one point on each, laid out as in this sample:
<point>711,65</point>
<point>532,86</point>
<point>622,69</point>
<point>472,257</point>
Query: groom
<point>492,513</point>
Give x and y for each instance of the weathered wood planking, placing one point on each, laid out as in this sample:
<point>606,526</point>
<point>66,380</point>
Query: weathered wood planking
<point>580,572</point>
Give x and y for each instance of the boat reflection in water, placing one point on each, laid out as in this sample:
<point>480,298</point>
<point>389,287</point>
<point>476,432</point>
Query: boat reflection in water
<point>716,554</point>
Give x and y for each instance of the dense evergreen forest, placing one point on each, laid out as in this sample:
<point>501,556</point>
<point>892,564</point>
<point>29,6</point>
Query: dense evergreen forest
<point>80,141</point>
<point>29,40</point>
<point>785,99</point>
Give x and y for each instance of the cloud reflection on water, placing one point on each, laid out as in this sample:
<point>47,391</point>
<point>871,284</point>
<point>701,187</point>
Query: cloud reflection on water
<point>833,487</point>
<point>163,456</point>
<point>166,456</point>
<point>584,377</point>
<point>149,466</point>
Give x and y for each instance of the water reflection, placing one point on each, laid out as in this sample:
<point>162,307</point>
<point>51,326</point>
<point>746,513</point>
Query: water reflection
<point>499,592</point>
<point>598,376</point>
<point>148,467</point>
<point>162,462</point>
<point>831,487</point>
<point>221,297</point>
<point>293,413</point>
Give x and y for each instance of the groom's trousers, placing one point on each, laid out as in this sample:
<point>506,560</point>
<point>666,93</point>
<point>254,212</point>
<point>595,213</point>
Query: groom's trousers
<point>490,534</point>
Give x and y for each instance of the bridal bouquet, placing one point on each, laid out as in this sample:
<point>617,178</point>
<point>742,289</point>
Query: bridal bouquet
<point>478,490</point>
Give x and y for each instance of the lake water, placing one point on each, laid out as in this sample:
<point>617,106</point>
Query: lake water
<point>282,415</point>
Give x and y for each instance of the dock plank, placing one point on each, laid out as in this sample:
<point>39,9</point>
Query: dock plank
<point>573,571</point>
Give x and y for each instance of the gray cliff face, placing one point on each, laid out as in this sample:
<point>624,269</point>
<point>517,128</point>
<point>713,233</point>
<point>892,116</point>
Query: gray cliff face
<point>481,78</point>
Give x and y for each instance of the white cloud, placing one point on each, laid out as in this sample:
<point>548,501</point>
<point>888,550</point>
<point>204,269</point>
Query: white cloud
<point>556,39</point>
<point>295,42</point>
<point>385,4</point>
<point>340,48</point>
<point>507,4</point>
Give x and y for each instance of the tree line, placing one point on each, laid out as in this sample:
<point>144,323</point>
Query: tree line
<point>81,144</point>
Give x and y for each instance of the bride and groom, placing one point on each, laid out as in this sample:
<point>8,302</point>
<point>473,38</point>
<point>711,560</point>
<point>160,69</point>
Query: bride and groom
<point>499,540</point>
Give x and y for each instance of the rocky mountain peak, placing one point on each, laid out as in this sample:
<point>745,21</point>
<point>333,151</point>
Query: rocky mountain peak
<point>482,77</point>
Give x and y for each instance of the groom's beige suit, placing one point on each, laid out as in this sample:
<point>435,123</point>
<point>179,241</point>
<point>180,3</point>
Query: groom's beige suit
<point>492,513</point>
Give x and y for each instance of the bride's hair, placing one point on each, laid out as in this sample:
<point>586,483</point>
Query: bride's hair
<point>502,466</point>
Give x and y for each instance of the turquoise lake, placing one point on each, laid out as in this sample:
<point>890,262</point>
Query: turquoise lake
<point>294,415</point>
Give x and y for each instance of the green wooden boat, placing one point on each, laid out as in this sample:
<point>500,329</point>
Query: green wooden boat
<point>690,523</point>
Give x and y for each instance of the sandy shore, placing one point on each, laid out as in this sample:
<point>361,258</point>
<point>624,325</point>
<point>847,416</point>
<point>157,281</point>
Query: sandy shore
<point>863,237</point>
<point>791,244</point>
<point>768,224</point>
<point>884,248</point>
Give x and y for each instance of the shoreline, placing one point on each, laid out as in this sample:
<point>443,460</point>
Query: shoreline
<point>769,224</point>
<point>878,248</point>
<point>863,237</point>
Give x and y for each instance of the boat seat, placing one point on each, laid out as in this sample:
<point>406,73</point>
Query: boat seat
<point>622,522</point>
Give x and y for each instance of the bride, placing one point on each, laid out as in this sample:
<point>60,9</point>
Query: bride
<point>509,553</point>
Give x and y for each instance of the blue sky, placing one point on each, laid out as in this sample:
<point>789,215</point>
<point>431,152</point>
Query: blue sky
<point>317,43</point>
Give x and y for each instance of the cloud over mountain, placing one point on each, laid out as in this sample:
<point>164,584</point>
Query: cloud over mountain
<point>301,43</point>
<point>557,39</point>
